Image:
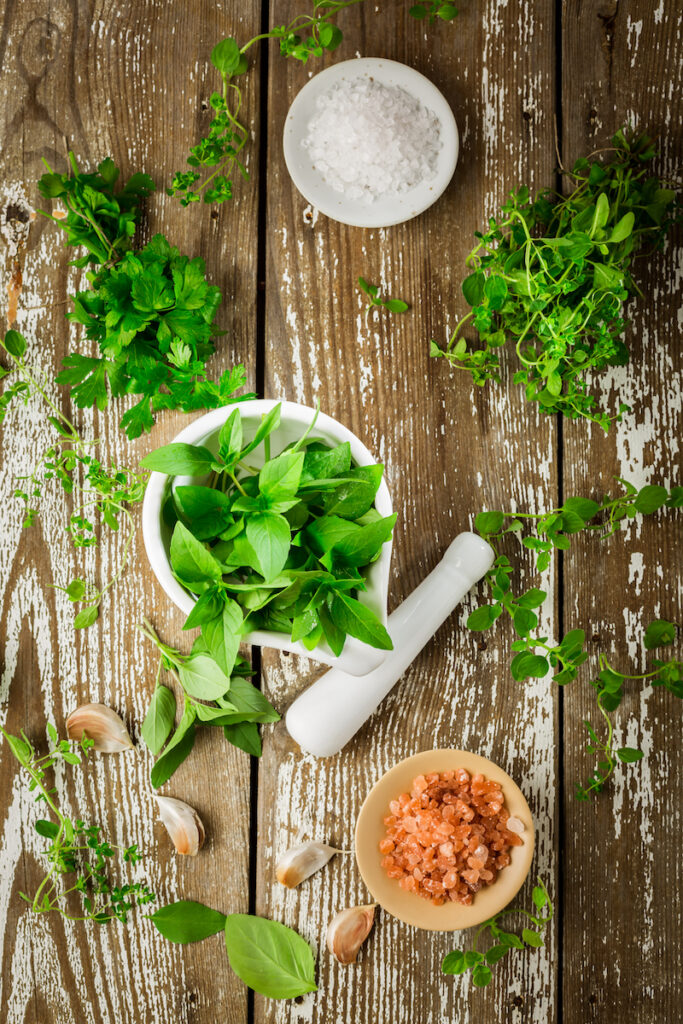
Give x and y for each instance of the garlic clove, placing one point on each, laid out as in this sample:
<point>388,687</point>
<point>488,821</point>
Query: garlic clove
<point>100,724</point>
<point>348,931</point>
<point>300,862</point>
<point>183,825</point>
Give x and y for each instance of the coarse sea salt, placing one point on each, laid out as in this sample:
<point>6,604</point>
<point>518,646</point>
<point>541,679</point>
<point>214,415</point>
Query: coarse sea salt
<point>372,141</point>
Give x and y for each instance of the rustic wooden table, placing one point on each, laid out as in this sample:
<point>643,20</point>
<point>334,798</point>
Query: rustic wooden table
<point>130,79</point>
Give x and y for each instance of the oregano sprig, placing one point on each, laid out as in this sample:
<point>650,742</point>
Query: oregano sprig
<point>609,688</point>
<point>534,655</point>
<point>503,942</point>
<point>75,848</point>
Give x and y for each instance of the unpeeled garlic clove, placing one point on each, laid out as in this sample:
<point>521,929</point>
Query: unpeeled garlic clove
<point>300,862</point>
<point>183,825</point>
<point>348,931</point>
<point>100,724</point>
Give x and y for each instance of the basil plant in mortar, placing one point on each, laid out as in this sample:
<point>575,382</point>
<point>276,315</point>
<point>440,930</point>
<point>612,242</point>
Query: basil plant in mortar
<point>276,533</point>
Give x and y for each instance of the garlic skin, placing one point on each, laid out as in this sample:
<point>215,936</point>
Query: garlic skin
<point>183,825</point>
<point>348,931</point>
<point>100,724</point>
<point>300,862</point>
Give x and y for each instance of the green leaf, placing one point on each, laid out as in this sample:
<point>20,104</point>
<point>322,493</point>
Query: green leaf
<point>223,635</point>
<point>659,633</point>
<point>269,957</point>
<point>46,829</point>
<point>230,437</point>
<point>187,921</point>
<point>396,305</point>
<point>623,228</point>
<point>179,459</point>
<point>481,976</point>
<point>583,507</point>
<point>650,498</point>
<point>178,748</point>
<point>532,938</point>
<point>245,736</point>
<point>483,617</point>
<point>489,522</point>
<point>496,953</point>
<point>539,897</point>
<point>353,499</point>
<point>473,288</point>
<point>250,703</point>
<point>360,547</point>
<point>533,598</point>
<point>87,616</point>
<point>15,344</point>
<point>629,755</point>
<point>280,477</point>
<point>524,620</point>
<point>270,536</point>
<point>358,620</point>
<point>19,748</point>
<point>601,213</point>
<point>525,665</point>
<point>269,422</point>
<point>191,560</point>
<point>225,56</point>
<point>159,719</point>
<point>203,679</point>
<point>454,963</point>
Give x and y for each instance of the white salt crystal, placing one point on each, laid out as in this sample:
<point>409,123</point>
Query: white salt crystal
<point>370,140</point>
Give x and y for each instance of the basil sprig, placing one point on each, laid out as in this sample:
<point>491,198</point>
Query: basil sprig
<point>285,547</point>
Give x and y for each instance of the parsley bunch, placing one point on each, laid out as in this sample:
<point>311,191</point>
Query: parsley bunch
<point>551,276</point>
<point>151,312</point>
<point>215,692</point>
<point>479,963</point>
<point>553,531</point>
<point>284,547</point>
<point>75,848</point>
<point>104,492</point>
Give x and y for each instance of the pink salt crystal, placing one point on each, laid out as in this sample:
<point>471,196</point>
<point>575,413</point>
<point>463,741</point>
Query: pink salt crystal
<point>515,825</point>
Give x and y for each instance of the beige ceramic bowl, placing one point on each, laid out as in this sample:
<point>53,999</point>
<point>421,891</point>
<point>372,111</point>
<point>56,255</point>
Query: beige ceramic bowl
<point>408,907</point>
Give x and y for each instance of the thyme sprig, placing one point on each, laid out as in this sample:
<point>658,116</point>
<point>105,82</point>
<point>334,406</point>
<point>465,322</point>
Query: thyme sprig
<point>75,848</point>
<point>104,493</point>
<point>552,273</point>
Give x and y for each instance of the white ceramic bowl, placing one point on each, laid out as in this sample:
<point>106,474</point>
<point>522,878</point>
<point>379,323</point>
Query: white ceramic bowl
<point>357,658</point>
<point>381,213</point>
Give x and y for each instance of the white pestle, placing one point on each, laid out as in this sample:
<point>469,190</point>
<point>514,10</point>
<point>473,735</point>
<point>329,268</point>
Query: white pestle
<point>326,716</point>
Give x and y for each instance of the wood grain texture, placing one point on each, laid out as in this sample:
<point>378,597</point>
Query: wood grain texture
<point>630,57</point>
<point>449,450</point>
<point>129,80</point>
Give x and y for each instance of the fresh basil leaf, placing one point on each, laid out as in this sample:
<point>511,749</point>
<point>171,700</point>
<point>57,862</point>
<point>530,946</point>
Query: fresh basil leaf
<point>269,422</point>
<point>179,459</point>
<point>208,606</point>
<point>177,750</point>
<point>194,502</point>
<point>192,562</point>
<point>358,620</point>
<point>650,498</point>
<point>244,735</point>
<point>304,624</point>
<point>326,464</point>
<point>335,636</point>
<point>352,500</point>
<point>362,547</point>
<point>187,921</point>
<point>222,635</point>
<point>270,537</point>
<point>250,702</point>
<point>202,678</point>
<point>269,957</point>
<point>159,719</point>
<point>230,438</point>
<point>279,478</point>
<point>324,533</point>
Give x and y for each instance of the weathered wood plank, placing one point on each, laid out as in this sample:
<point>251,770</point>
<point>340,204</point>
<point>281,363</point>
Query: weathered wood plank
<point>621,954</point>
<point>449,452</point>
<point>128,80</point>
